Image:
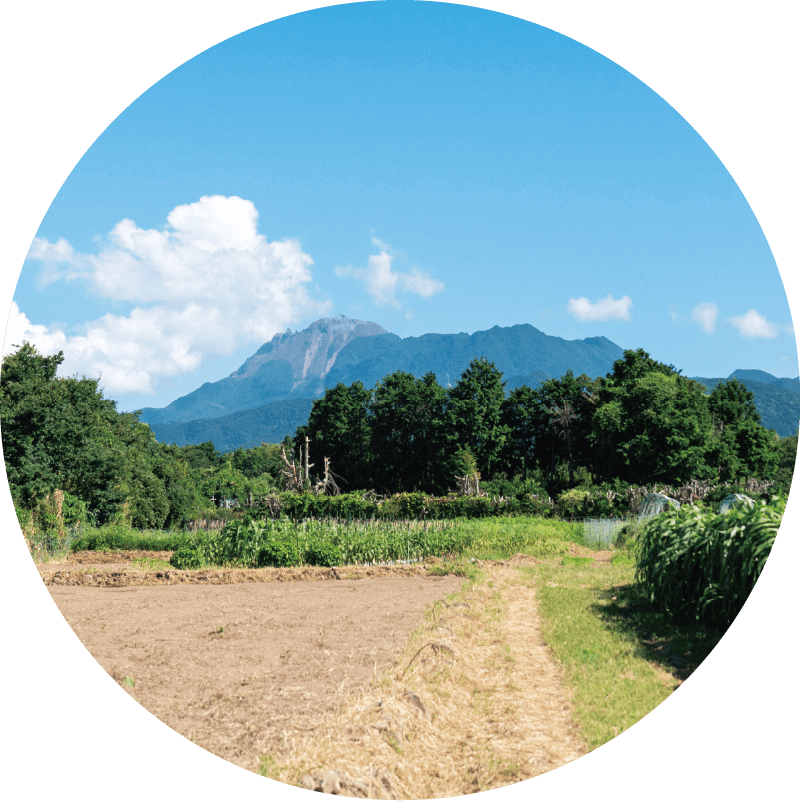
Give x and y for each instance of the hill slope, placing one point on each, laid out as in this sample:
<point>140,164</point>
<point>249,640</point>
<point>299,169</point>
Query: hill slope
<point>777,399</point>
<point>246,429</point>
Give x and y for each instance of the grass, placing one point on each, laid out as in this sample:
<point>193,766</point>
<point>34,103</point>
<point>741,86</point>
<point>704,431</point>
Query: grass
<point>620,657</point>
<point>618,654</point>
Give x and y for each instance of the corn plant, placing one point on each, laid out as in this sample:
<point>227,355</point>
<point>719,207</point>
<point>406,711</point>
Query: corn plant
<point>701,566</point>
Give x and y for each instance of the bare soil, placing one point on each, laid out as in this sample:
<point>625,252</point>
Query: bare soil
<point>238,667</point>
<point>314,666</point>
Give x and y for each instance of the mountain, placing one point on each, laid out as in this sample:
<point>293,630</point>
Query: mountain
<point>271,394</point>
<point>516,351</point>
<point>792,384</point>
<point>269,423</point>
<point>777,399</point>
<point>302,364</point>
<point>290,364</point>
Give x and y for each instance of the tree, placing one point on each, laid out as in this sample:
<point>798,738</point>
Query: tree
<point>786,454</point>
<point>650,423</point>
<point>407,443</point>
<point>739,446</point>
<point>519,414</point>
<point>338,427</point>
<point>60,433</point>
<point>202,456</point>
<point>473,415</point>
<point>561,423</point>
<point>181,487</point>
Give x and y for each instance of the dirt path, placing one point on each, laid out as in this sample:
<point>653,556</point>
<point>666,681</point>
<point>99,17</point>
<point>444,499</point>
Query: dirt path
<point>347,674</point>
<point>475,703</point>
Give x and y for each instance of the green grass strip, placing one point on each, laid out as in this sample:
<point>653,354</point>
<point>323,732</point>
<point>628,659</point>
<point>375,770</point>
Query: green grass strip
<point>619,656</point>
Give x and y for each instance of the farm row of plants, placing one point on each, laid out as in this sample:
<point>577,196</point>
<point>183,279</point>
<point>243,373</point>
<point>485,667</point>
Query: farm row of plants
<point>693,564</point>
<point>700,566</point>
<point>502,499</point>
<point>332,542</point>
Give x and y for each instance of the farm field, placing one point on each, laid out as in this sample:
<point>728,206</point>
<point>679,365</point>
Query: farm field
<point>394,681</point>
<point>526,648</point>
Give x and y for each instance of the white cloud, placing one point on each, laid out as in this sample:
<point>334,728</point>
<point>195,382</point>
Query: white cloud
<point>705,315</point>
<point>605,309</point>
<point>382,283</point>
<point>752,325</point>
<point>213,281</point>
<point>19,328</point>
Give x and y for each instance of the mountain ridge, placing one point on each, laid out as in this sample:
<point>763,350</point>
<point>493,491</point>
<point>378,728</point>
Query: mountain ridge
<point>271,393</point>
<point>338,349</point>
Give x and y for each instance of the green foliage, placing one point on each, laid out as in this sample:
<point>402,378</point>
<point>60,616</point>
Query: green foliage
<point>55,433</point>
<point>407,440</point>
<point>739,446</point>
<point>650,423</point>
<point>519,413</point>
<point>240,542</point>
<point>786,455</point>
<point>474,415</point>
<point>410,505</point>
<point>284,552</point>
<point>201,457</point>
<point>187,559</point>
<point>338,427</point>
<point>119,536</point>
<point>642,423</point>
<point>322,554</point>
<point>574,503</point>
<point>700,566</point>
<point>62,434</point>
<point>560,423</point>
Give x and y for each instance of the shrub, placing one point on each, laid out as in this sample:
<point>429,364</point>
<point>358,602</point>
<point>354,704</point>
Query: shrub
<point>322,554</point>
<point>574,503</point>
<point>281,552</point>
<point>411,505</point>
<point>188,559</point>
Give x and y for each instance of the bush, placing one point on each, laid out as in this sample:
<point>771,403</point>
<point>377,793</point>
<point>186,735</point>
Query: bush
<point>323,554</point>
<point>281,552</point>
<point>411,505</point>
<point>574,503</point>
<point>188,559</point>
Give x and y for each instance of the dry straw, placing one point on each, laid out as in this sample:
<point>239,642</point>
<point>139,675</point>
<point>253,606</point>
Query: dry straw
<point>474,702</point>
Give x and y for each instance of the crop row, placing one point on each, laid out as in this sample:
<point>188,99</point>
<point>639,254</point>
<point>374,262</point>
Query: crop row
<point>701,566</point>
<point>330,541</point>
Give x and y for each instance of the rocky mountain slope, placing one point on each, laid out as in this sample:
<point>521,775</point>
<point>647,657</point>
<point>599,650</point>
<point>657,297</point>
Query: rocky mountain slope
<point>292,364</point>
<point>302,364</point>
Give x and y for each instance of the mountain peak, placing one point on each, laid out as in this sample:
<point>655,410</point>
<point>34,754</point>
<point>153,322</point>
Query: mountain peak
<point>312,351</point>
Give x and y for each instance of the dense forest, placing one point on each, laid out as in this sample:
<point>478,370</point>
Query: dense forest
<point>641,423</point>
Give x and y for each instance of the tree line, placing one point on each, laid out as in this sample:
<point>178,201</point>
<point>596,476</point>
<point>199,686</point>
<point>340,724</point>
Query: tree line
<point>61,434</point>
<point>641,423</point>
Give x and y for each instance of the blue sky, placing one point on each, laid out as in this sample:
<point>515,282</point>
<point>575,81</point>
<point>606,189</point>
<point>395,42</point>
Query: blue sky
<point>430,167</point>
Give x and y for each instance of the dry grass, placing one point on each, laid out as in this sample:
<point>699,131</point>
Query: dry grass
<point>474,702</point>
